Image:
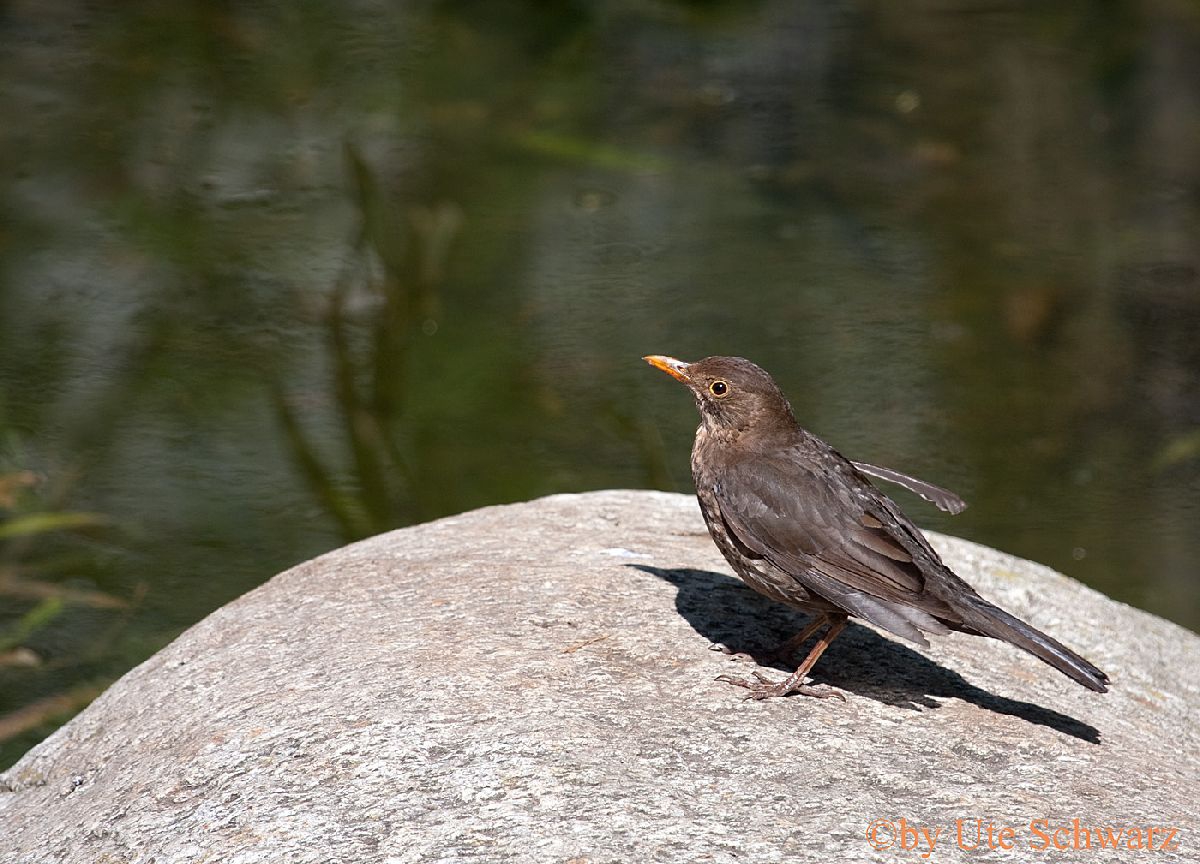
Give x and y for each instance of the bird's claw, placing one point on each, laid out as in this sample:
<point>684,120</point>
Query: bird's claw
<point>764,688</point>
<point>729,652</point>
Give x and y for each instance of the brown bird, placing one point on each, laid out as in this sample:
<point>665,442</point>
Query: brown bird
<point>803,525</point>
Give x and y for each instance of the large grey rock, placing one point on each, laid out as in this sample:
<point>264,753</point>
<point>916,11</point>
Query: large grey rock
<point>535,683</point>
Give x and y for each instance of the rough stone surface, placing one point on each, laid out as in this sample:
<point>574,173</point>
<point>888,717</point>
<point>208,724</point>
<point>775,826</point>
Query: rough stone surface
<point>535,683</point>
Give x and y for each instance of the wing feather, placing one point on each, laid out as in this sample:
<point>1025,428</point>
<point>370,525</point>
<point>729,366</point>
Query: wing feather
<point>941,498</point>
<point>791,516</point>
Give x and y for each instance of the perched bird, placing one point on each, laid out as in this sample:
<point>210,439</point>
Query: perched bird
<point>803,525</point>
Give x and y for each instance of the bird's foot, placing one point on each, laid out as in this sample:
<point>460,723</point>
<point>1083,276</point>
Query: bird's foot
<point>729,652</point>
<point>764,688</point>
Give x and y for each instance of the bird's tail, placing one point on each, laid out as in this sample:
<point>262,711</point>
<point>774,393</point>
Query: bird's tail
<point>993,621</point>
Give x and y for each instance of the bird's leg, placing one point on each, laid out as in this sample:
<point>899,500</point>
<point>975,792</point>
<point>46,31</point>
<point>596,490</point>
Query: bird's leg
<point>786,650</point>
<point>764,688</point>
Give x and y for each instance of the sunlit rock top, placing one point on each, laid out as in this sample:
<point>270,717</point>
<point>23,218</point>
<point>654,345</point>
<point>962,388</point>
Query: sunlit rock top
<point>534,682</point>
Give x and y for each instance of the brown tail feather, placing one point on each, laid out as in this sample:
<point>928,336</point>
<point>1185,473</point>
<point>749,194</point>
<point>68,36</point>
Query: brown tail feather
<point>993,621</point>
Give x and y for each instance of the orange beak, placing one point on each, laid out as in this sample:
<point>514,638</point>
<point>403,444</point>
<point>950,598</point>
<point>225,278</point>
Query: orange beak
<point>675,368</point>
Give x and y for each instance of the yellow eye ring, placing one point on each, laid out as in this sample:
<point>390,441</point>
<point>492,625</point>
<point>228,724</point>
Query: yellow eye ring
<point>719,388</point>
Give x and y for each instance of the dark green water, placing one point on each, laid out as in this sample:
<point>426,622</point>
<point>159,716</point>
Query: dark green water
<point>277,276</point>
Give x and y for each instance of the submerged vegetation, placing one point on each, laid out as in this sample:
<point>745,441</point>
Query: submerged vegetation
<point>46,599</point>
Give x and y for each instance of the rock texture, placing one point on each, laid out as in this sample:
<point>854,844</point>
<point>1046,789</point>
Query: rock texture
<point>535,683</point>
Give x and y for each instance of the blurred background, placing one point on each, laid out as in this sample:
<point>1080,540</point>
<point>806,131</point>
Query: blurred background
<point>275,276</point>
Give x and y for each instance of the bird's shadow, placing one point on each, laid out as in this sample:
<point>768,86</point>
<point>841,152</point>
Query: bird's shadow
<point>726,612</point>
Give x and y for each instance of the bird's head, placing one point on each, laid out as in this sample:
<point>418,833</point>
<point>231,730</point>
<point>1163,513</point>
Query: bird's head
<point>732,394</point>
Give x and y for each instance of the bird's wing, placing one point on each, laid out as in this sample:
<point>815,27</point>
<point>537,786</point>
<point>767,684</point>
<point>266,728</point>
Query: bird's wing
<point>845,541</point>
<point>816,527</point>
<point>941,498</point>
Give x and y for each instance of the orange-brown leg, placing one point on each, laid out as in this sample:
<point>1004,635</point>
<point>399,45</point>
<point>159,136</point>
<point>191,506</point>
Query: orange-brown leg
<point>764,688</point>
<point>787,650</point>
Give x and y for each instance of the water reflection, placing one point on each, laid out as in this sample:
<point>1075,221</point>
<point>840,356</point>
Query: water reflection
<point>280,276</point>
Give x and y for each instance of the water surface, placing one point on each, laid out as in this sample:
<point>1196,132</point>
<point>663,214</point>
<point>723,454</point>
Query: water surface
<point>275,276</point>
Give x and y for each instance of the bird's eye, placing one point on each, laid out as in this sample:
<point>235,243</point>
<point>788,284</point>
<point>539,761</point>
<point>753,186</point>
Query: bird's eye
<point>718,388</point>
